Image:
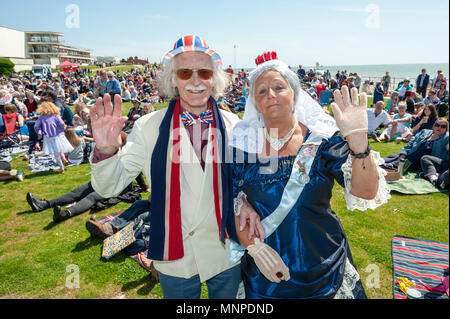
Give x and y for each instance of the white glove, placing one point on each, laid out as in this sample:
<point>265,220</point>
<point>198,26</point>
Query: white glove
<point>268,261</point>
<point>350,113</point>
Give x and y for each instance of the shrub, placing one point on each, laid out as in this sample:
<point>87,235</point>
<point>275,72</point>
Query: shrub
<point>6,67</point>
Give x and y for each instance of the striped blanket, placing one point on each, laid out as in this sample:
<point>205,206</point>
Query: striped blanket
<point>423,261</point>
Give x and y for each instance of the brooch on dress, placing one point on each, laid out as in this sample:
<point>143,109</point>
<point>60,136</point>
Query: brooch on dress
<point>304,178</point>
<point>309,151</point>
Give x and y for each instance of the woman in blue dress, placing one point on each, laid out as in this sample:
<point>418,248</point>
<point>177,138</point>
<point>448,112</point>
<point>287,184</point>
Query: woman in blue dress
<point>301,250</point>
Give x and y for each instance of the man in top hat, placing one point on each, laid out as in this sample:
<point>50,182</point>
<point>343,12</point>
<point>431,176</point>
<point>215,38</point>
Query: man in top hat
<point>182,152</point>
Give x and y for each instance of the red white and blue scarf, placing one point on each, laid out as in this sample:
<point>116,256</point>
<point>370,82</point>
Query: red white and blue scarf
<point>166,236</point>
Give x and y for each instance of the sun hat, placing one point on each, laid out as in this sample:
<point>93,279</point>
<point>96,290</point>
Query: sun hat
<point>192,43</point>
<point>6,99</point>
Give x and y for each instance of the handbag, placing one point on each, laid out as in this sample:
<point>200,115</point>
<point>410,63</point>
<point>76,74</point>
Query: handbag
<point>120,240</point>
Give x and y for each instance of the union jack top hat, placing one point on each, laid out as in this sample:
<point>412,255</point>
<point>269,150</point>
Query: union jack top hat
<point>190,43</point>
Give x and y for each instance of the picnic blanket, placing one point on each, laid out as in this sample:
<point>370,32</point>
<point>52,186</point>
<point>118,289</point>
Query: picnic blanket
<point>413,184</point>
<point>14,150</point>
<point>423,261</point>
<point>44,163</point>
<point>5,158</point>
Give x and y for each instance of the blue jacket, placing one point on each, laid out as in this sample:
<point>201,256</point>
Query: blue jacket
<point>113,86</point>
<point>440,146</point>
<point>378,94</point>
<point>67,115</point>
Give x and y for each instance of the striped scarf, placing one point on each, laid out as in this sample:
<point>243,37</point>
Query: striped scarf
<point>166,237</point>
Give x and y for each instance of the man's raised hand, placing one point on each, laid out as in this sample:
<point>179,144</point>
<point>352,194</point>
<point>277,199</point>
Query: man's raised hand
<point>107,123</point>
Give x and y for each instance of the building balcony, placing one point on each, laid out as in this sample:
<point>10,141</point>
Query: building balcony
<point>40,41</point>
<point>76,57</point>
<point>73,49</point>
<point>44,53</point>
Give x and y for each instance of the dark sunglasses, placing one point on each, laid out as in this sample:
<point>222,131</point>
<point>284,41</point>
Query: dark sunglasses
<point>186,74</point>
<point>440,125</point>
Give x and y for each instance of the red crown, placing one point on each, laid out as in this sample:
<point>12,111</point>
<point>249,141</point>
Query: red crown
<point>266,56</point>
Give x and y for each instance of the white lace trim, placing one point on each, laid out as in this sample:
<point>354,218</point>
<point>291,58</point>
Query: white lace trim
<point>383,194</point>
<point>351,277</point>
<point>238,202</point>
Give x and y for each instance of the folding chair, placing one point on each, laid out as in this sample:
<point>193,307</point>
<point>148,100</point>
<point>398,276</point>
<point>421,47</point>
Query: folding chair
<point>9,138</point>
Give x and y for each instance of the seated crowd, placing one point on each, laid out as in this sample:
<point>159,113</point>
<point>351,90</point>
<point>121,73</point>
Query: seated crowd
<point>26,118</point>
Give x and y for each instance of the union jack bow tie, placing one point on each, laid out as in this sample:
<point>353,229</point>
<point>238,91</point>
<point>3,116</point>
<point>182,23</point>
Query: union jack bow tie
<point>190,119</point>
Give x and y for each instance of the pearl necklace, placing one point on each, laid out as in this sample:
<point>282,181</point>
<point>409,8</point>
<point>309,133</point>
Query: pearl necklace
<point>278,143</point>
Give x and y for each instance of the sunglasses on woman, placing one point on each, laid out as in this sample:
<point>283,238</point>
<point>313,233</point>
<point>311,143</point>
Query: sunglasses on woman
<point>440,125</point>
<point>186,74</point>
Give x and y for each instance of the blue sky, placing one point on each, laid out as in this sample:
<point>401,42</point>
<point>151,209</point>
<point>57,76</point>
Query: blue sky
<point>302,32</point>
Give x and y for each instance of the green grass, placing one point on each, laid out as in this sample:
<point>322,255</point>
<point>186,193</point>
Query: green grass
<point>35,253</point>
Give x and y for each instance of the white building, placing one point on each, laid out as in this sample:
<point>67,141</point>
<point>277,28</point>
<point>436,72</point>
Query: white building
<point>106,60</point>
<point>25,48</point>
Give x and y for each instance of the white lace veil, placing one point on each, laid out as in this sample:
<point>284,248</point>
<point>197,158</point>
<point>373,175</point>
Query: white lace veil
<point>248,135</point>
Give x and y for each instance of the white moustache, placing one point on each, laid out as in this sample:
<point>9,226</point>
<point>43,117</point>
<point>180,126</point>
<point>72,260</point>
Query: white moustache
<point>196,88</point>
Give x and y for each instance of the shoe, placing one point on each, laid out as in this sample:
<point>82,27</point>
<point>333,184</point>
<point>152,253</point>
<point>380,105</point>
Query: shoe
<point>375,138</point>
<point>20,176</point>
<point>37,205</point>
<point>60,214</point>
<point>98,230</point>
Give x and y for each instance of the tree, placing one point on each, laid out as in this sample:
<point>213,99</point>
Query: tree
<point>6,67</point>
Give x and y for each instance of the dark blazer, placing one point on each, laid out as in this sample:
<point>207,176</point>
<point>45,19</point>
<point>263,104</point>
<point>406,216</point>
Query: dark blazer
<point>425,81</point>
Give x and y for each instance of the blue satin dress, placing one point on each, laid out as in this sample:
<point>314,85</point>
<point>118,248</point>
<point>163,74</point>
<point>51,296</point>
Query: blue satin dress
<point>310,240</point>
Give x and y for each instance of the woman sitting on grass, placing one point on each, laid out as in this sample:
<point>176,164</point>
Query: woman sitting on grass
<point>391,106</point>
<point>399,125</point>
<point>12,114</point>
<point>425,119</point>
<point>77,155</point>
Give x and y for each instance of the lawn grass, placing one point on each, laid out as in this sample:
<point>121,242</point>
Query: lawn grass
<point>37,256</point>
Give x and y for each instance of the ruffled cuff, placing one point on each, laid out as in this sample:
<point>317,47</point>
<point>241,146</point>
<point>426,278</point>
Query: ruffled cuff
<point>238,202</point>
<point>383,194</point>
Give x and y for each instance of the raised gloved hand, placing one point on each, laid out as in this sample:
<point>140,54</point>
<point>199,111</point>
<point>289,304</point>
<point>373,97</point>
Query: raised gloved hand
<point>268,261</point>
<point>350,113</point>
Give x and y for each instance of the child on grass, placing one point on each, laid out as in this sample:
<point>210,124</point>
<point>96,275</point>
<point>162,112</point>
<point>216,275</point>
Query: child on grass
<point>51,126</point>
<point>77,155</point>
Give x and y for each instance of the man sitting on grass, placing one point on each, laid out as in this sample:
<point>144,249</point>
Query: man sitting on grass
<point>377,117</point>
<point>399,125</point>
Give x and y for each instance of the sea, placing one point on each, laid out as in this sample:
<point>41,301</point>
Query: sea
<point>374,72</point>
